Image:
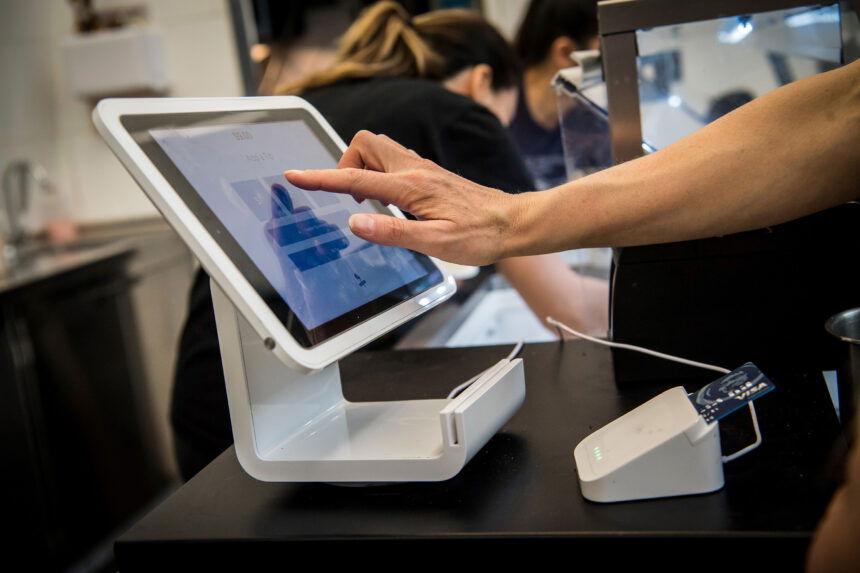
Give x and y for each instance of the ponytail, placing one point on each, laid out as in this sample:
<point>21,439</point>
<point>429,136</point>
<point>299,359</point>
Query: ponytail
<point>382,42</point>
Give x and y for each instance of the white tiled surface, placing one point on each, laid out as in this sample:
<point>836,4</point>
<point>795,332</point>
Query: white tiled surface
<point>41,120</point>
<point>25,20</point>
<point>501,317</point>
<point>100,187</point>
<point>506,15</point>
<point>186,10</point>
<point>27,93</point>
<point>201,58</point>
<point>27,129</point>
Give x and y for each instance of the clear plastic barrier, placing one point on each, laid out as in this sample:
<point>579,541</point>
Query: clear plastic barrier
<point>585,134</point>
<point>691,74</point>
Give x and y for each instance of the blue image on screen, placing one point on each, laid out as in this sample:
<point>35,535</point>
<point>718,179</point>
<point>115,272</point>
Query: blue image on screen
<point>279,192</point>
<point>257,198</point>
<point>293,199</point>
<point>321,254</point>
<point>308,227</point>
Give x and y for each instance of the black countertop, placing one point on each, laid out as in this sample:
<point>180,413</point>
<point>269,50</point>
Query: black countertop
<point>521,490</point>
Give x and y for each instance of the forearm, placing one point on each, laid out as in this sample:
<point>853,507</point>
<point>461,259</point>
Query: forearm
<point>791,152</point>
<point>550,288</point>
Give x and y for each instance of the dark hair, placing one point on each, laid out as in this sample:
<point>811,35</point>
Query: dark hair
<point>546,20</point>
<point>386,41</point>
<point>463,39</point>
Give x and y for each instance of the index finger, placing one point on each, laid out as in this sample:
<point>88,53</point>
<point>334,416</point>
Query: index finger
<point>360,183</point>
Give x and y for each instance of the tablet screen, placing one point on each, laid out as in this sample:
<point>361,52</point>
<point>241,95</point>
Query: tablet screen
<point>294,246</point>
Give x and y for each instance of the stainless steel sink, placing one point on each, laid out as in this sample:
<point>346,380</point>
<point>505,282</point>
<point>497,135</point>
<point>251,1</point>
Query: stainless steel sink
<point>35,261</point>
<point>37,249</point>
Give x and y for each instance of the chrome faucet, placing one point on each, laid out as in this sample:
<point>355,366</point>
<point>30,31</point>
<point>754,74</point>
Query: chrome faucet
<point>17,179</point>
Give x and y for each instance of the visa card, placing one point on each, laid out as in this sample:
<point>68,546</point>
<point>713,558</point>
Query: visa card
<point>725,395</point>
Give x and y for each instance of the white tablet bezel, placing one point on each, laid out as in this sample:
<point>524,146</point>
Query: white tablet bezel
<point>107,118</point>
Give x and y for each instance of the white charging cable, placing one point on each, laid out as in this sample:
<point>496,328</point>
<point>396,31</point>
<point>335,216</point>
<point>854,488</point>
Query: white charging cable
<point>456,391</point>
<point>753,445</point>
<point>569,330</point>
<point>561,326</point>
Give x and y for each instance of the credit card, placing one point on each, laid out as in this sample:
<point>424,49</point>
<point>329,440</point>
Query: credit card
<point>725,395</point>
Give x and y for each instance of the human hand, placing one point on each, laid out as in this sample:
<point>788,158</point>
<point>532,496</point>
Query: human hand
<point>458,221</point>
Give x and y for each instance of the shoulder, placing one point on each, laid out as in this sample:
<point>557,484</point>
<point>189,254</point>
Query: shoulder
<point>387,95</point>
<point>422,106</point>
<point>411,111</point>
<point>402,100</point>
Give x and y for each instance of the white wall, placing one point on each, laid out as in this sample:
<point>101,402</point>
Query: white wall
<point>506,15</point>
<point>40,119</point>
<point>27,126</point>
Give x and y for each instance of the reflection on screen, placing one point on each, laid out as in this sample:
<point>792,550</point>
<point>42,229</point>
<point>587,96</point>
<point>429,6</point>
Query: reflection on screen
<point>299,240</point>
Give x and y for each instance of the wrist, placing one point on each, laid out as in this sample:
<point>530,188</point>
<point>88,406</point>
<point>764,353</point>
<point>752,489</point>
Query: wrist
<point>545,222</point>
<point>523,235</point>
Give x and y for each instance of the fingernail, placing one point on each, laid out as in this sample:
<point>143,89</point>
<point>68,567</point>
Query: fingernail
<point>291,171</point>
<point>362,224</point>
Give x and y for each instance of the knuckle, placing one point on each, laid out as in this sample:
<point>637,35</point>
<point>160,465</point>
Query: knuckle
<point>414,178</point>
<point>357,177</point>
<point>424,164</point>
<point>396,229</point>
<point>361,136</point>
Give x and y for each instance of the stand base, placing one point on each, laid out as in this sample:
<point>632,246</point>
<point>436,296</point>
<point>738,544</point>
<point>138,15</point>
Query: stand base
<point>291,426</point>
<point>367,430</point>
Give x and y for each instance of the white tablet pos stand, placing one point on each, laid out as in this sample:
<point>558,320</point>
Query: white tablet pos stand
<point>290,419</point>
<point>294,426</point>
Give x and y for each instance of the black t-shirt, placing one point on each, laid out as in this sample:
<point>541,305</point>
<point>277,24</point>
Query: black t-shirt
<point>447,128</point>
<point>541,148</point>
<point>587,138</point>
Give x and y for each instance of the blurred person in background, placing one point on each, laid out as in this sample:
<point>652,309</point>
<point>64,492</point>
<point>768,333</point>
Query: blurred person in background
<point>550,32</point>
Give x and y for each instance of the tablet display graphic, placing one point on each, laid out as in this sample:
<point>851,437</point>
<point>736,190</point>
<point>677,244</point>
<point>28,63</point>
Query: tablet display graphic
<point>299,240</point>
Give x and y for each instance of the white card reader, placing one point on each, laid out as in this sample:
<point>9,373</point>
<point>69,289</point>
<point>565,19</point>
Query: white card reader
<point>662,448</point>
